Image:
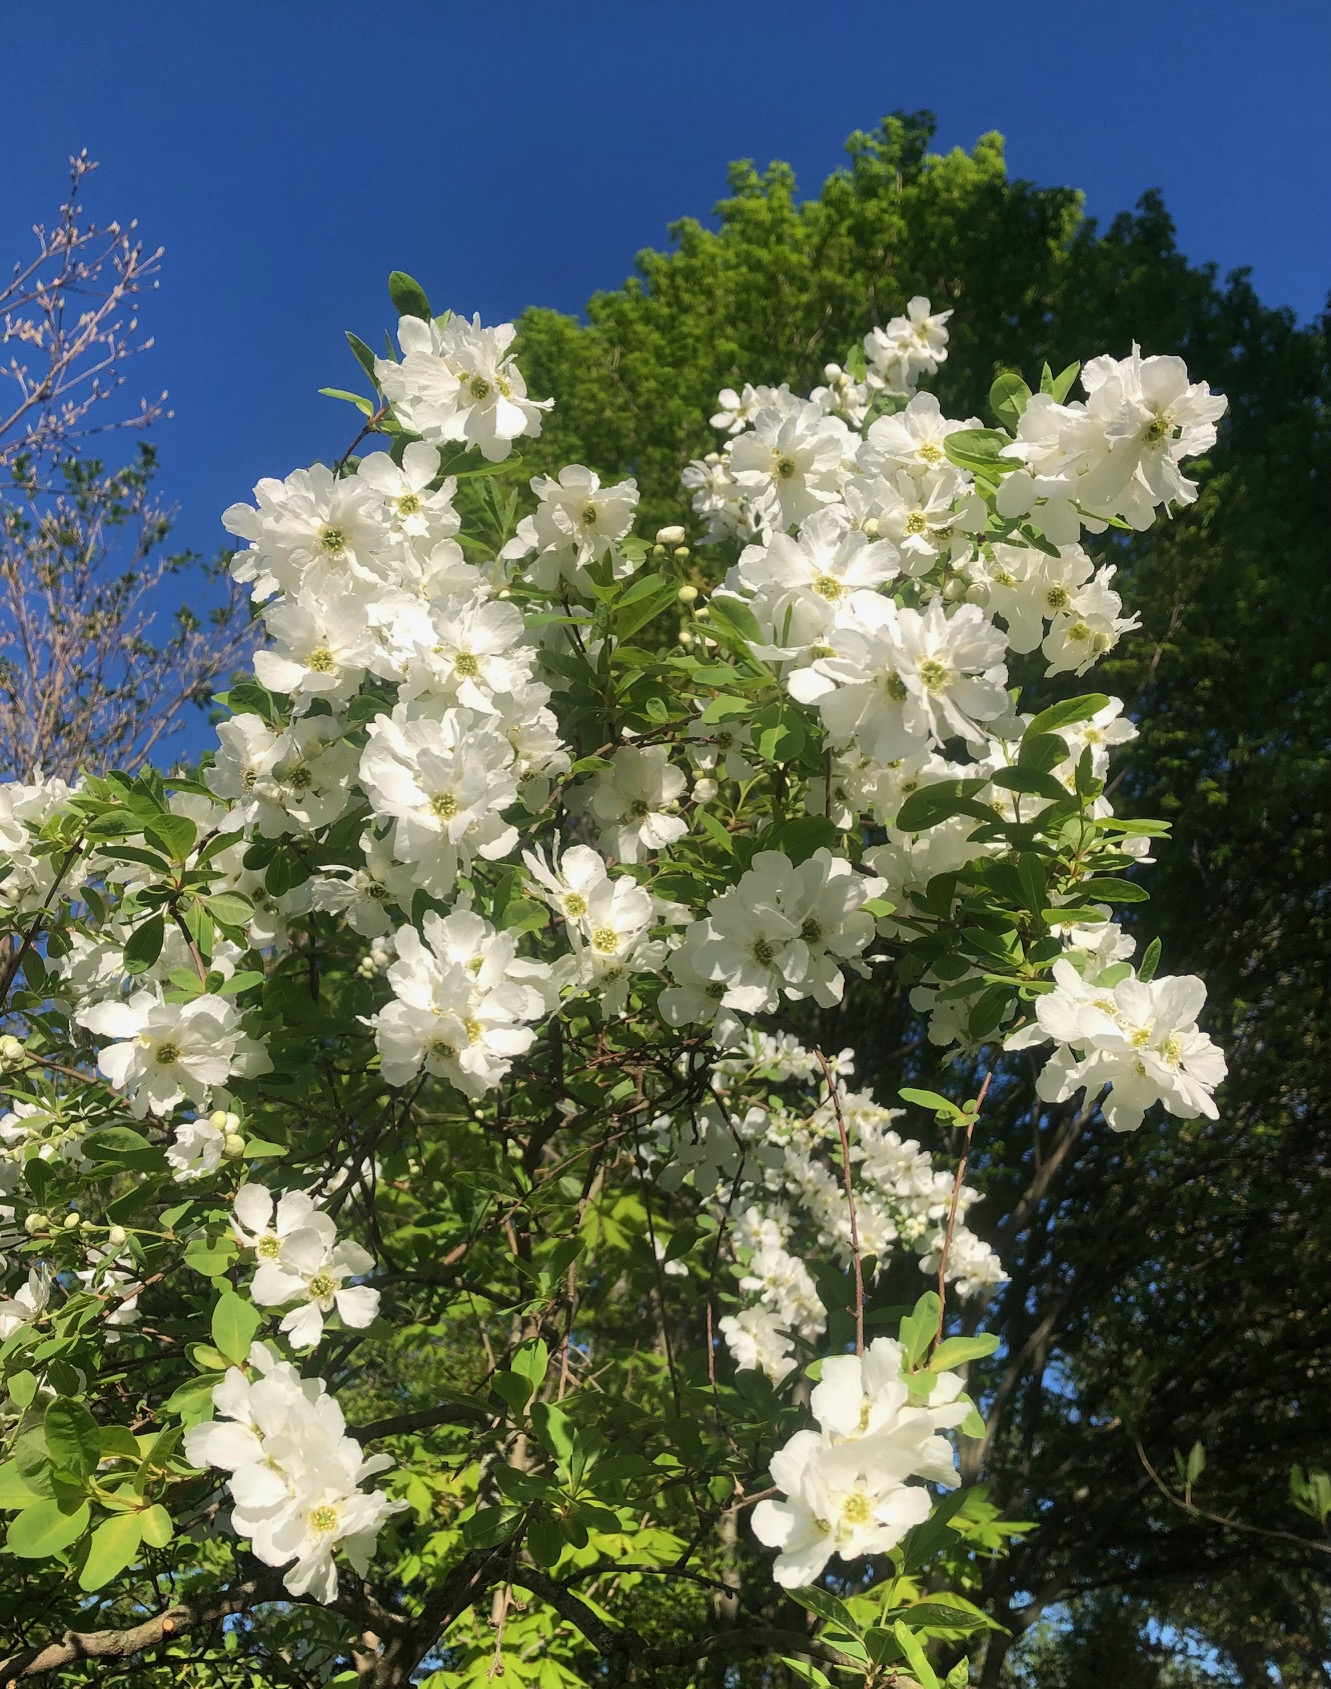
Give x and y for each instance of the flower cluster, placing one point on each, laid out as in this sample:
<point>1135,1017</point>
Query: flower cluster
<point>296,1479</point>
<point>847,1485</point>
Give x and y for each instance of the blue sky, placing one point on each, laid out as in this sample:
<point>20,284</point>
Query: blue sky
<point>289,154</point>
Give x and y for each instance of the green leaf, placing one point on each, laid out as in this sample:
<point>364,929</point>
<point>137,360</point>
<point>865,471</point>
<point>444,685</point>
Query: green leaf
<point>1149,963</point>
<point>931,1100</point>
<point>364,356</point>
<point>1196,1463</point>
<point>72,1436</point>
<point>1008,398</point>
<point>235,1323</point>
<point>800,837</point>
<point>939,801</point>
<point>1109,890</point>
<point>157,1526</point>
<point>144,944</point>
<point>172,834</point>
<point>14,1492</point>
<point>230,908</point>
<point>113,1546</point>
<point>723,706</point>
<point>1064,714</point>
<point>531,1362</point>
<point>22,1387</point>
<point>45,1528</point>
<point>977,449</point>
<point>734,622</point>
<point>363,405</point>
<point>1034,885</point>
<point>641,603</point>
<point>210,1256</point>
<point>1059,386</point>
<point>545,1539</point>
<point>1042,752</point>
<point>955,1351</point>
<point>408,297</point>
<point>124,1147</point>
<point>1029,780</point>
<point>195,1397</point>
<point>939,1615</point>
<point>826,1605</point>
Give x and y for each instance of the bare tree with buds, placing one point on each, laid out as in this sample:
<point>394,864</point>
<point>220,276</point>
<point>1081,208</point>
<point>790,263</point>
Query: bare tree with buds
<point>93,673</point>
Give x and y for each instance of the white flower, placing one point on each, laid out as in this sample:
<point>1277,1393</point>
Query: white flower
<point>898,679</point>
<point>266,1225</point>
<point>462,1003</point>
<point>294,1475</point>
<point>313,526</point>
<point>1140,1039</point>
<point>310,1273</point>
<point>838,1501</point>
<point>199,1145</point>
<point>907,348</point>
<point>789,465</point>
<point>445,783</point>
<point>631,799</point>
<point>577,522</point>
<point>458,382</point>
<point>324,647</point>
<point>167,1052</point>
<point>425,517</point>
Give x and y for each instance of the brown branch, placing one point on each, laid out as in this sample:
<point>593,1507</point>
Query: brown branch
<point>1186,1505</point>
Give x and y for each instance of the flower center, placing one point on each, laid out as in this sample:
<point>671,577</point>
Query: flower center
<point>466,665</point>
<point>895,687</point>
<point>1079,631</point>
<point>167,1055</point>
<point>606,940</point>
<point>472,1027</point>
<point>934,674</point>
<point>441,1048</point>
<point>930,453</point>
<point>479,388</point>
<point>575,904</point>
<point>917,523</point>
<point>444,806</point>
<point>409,505</point>
<point>1057,598</point>
<point>1140,1037</point>
<point>639,808</point>
<point>300,779</point>
<point>857,1509</point>
<point>828,587</point>
<point>811,931</point>
<point>332,541</point>
<point>783,467</point>
<point>268,1247</point>
<point>1160,429</point>
<point>321,661</point>
<point>322,1285</point>
<point>323,1519</point>
<point>590,516</point>
<point>763,951</point>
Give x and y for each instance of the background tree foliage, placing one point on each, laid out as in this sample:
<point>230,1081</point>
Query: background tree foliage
<point>1169,1288</point>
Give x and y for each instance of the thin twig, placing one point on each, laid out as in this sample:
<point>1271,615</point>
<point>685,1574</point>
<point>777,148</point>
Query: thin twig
<point>835,1095</point>
<point>956,1197</point>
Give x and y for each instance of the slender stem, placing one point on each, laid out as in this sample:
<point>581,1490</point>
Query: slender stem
<point>835,1095</point>
<point>952,1210</point>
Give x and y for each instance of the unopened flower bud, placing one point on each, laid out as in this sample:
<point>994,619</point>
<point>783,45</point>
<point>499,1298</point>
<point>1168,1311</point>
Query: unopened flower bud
<point>681,554</point>
<point>116,1236</point>
<point>670,536</point>
<point>233,1146</point>
<point>705,789</point>
<point>954,590</point>
<point>72,1221</point>
<point>687,595</point>
<point>871,527</point>
<point>36,1223</point>
<point>218,1120</point>
<point>10,1050</point>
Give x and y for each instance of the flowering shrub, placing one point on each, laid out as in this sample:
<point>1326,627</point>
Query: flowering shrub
<point>446,1053</point>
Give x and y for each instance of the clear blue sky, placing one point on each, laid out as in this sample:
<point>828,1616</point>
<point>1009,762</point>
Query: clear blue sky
<point>288,154</point>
